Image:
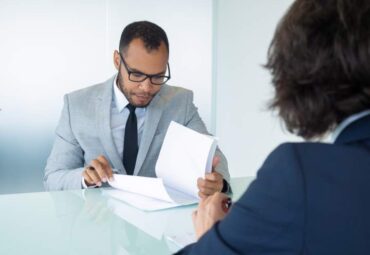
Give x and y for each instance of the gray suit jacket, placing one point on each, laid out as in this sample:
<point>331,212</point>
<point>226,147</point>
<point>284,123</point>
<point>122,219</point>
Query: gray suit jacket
<point>84,132</point>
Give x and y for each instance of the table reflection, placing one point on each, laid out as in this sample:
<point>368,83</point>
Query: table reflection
<point>95,223</point>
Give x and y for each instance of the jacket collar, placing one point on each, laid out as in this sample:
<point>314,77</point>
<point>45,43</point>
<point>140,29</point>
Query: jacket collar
<point>356,131</point>
<point>103,119</point>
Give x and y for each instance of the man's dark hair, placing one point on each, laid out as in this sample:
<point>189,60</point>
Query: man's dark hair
<point>151,34</point>
<point>319,59</point>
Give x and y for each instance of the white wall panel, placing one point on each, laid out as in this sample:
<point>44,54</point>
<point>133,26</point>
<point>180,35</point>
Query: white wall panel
<point>247,131</point>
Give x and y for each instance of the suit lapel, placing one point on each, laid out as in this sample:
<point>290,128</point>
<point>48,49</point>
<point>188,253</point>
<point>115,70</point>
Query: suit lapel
<point>154,113</point>
<point>103,119</point>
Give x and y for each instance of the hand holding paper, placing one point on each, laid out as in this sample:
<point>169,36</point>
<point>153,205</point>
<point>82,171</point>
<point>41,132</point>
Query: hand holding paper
<point>212,182</point>
<point>185,156</point>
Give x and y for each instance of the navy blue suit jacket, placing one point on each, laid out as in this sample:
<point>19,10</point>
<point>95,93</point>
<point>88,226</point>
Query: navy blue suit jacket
<point>308,198</point>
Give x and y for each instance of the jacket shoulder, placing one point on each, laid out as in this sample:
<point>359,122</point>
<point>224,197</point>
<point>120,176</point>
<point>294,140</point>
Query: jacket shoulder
<point>168,92</point>
<point>88,92</point>
<point>295,150</point>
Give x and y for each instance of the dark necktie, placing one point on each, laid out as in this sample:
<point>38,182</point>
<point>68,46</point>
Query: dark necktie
<point>130,147</point>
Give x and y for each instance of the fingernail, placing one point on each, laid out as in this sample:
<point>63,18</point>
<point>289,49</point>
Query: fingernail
<point>104,179</point>
<point>99,184</point>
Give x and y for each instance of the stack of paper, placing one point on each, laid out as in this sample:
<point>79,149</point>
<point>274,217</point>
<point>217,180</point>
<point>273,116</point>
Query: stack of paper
<point>185,156</point>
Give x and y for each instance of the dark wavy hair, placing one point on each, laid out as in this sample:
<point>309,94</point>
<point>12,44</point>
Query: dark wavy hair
<point>319,59</point>
<point>151,34</point>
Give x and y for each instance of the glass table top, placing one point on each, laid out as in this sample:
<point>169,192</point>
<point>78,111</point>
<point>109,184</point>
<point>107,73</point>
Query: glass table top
<point>91,222</point>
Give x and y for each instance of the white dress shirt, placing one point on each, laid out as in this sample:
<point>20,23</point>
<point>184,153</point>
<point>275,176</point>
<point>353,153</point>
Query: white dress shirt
<point>119,115</point>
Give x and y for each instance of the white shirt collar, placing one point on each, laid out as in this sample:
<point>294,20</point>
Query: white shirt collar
<point>119,98</point>
<point>346,122</point>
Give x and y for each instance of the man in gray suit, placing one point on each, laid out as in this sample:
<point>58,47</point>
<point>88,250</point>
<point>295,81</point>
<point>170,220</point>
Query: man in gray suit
<point>119,125</point>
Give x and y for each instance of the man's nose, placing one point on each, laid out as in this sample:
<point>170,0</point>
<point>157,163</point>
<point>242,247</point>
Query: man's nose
<point>146,85</point>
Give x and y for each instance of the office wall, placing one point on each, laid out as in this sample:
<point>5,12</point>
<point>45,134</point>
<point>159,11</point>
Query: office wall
<point>247,131</point>
<point>50,47</point>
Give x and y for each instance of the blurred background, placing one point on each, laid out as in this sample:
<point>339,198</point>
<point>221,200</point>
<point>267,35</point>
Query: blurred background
<point>217,48</point>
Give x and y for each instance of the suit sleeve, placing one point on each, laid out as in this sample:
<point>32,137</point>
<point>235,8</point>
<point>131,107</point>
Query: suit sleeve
<point>65,164</point>
<point>269,217</point>
<point>194,122</point>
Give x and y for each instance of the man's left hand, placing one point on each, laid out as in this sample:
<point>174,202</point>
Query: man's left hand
<point>212,183</point>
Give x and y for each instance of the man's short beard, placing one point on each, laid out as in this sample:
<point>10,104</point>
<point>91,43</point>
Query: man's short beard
<point>125,93</point>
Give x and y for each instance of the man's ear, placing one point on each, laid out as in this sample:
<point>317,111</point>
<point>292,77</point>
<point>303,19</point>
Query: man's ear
<point>116,59</point>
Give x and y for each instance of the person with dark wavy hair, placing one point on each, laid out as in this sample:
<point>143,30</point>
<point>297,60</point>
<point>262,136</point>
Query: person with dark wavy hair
<point>320,62</point>
<point>309,197</point>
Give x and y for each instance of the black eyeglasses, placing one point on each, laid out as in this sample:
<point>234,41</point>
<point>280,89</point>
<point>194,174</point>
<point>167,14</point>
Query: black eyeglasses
<point>136,76</point>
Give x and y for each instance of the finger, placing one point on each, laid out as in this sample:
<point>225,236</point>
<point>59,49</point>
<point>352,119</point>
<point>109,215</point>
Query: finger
<point>107,167</point>
<point>201,195</point>
<point>100,169</point>
<point>209,187</point>
<point>215,162</point>
<point>87,178</point>
<point>216,185</point>
<point>200,182</point>
<point>219,196</point>
<point>204,184</point>
<point>207,191</point>
<point>218,199</point>
<point>214,176</point>
<point>93,175</point>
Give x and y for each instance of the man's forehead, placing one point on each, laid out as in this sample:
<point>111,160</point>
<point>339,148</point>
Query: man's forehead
<point>138,44</point>
<point>139,59</point>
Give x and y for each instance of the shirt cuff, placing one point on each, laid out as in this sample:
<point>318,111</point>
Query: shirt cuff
<point>226,187</point>
<point>84,186</point>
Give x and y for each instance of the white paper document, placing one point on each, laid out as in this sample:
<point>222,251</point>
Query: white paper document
<point>151,193</point>
<point>185,156</point>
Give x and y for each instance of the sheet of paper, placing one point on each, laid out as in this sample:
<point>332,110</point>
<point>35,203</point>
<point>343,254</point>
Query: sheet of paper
<point>185,156</point>
<point>147,186</point>
<point>144,202</point>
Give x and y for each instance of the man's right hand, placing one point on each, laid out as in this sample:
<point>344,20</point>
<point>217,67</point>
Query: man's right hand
<point>97,172</point>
